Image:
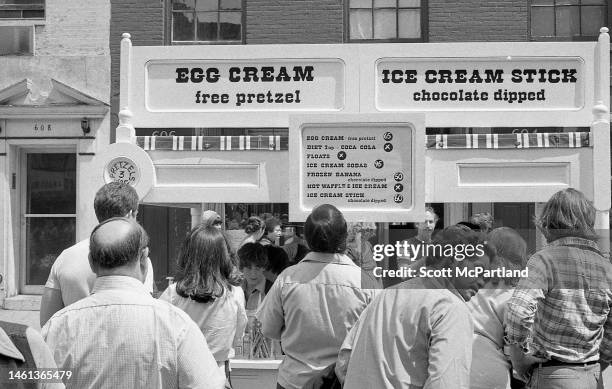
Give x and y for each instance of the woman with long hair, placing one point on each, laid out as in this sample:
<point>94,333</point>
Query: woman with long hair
<point>207,289</point>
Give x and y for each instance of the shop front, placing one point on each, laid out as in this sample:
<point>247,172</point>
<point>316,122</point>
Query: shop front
<point>49,135</point>
<point>377,130</point>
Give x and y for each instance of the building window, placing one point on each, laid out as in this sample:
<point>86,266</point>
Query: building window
<point>207,21</point>
<point>387,20</point>
<point>16,40</point>
<point>22,9</point>
<point>567,19</point>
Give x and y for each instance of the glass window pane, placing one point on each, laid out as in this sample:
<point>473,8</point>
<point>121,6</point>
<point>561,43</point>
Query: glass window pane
<point>183,5</point>
<point>409,23</point>
<point>360,4</point>
<point>542,2</point>
<point>230,26</point>
<point>10,14</point>
<point>596,2</point>
<point>568,21</point>
<point>385,24</point>
<point>15,40</point>
<point>593,18</point>
<point>51,183</point>
<point>542,21</point>
<point>34,14</point>
<point>207,26</point>
<point>566,2</point>
<point>409,3</point>
<point>231,4</point>
<point>46,238</point>
<point>385,3</point>
<point>207,5</point>
<point>361,24</point>
<point>182,26</point>
<point>23,2</point>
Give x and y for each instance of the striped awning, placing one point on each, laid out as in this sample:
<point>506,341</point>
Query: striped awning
<point>509,141</point>
<point>212,143</point>
<point>439,141</point>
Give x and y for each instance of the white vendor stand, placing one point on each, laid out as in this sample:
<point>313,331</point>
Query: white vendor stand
<point>347,88</point>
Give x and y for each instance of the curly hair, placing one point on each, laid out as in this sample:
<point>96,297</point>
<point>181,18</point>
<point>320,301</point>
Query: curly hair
<point>253,224</point>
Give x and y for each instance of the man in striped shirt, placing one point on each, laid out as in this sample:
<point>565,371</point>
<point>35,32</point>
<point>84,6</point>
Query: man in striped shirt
<point>559,321</point>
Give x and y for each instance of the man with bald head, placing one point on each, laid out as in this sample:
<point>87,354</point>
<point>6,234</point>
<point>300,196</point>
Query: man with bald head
<point>120,336</point>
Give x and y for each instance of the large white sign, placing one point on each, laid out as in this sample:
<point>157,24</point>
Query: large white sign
<point>504,84</point>
<point>263,85</point>
<point>368,166</point>
<point>266,85</point>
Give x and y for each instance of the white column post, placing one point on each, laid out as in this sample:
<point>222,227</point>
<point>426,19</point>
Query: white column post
<point>600,131</point>
<point>125,131</point>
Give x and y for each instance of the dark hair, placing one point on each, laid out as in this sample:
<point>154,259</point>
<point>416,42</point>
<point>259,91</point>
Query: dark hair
<point>567,213</point>
<point>325,230</point>
<point>119,252</point>
<point>253,224</point>
<point>205,266</point>
<point>115,199</point>
<point>455,236</point>
<point>271,223</point>
<point>468,226</point>
<point>511,250</point>
<point>252,254</point>
<point>278,259</point>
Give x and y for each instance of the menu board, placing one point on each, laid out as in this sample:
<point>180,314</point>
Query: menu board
<point>363,169</point>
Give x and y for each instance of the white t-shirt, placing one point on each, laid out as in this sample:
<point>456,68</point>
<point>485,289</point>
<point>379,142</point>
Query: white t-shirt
<point>72,275</point>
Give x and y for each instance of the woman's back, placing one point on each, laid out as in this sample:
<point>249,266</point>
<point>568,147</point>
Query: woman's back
<point>221,321</point>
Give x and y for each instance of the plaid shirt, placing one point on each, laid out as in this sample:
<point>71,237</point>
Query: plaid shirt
<point>562,310</point>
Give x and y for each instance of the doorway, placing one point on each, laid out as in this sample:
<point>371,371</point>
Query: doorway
<point>47,213</point>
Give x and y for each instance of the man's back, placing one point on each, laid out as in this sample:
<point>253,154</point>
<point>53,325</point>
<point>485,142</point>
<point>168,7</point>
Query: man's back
<point>72,274</point>
<point>415,333</point>
<point>310,308</point>
<point>121,337</point>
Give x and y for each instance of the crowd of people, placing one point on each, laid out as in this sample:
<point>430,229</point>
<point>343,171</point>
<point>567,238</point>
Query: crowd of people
<point>316,297</point>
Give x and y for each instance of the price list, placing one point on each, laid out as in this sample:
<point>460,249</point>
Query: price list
<point>359,167</point>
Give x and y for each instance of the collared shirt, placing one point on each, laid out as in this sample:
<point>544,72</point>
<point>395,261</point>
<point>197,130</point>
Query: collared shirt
<point>310,308</point>
<point>121,337</point>
<point>40,352</point>
<point>416,334</point>
<point>72,275</point>
<point>255,296</point>
<point>562,310</point>
<point>222,321</point>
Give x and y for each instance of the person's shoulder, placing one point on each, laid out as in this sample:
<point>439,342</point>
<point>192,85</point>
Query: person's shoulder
<point>74,252</point>
<point>173,313</point>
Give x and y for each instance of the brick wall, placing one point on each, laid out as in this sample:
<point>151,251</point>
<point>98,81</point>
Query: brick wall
<point>478,20</point>
<point>144,20</point>
<point>303,21</point>
<point>70,28</point>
